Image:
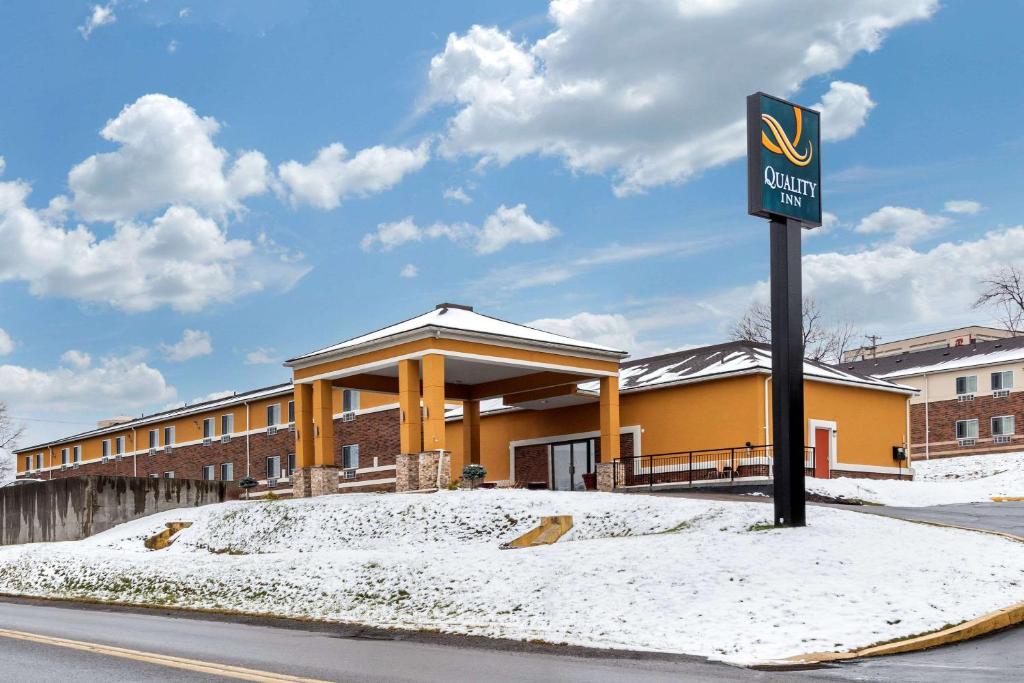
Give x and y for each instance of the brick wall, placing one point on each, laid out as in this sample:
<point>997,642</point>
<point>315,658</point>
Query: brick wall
<point>942,418</point>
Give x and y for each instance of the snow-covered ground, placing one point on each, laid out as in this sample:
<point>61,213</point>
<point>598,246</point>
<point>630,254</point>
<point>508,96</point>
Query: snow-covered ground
<point>943,481</point>
<point>680,575</point>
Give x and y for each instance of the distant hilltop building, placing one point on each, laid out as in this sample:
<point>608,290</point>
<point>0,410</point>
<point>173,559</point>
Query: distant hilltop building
<point>961,336</point>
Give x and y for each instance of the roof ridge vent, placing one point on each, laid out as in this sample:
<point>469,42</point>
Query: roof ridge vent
<point>461,307</point>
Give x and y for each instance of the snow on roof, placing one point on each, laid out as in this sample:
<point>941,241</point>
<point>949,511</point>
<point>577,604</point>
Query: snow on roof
<point>172,414</point>
<point>462,319</point>
<point>1009,350</point>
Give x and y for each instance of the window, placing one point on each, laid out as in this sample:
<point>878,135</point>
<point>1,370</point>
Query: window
<point>154,476</point>
<point>28,462</point>
<point>168,436</point>
<point>63,456</point>
<point>106,448</point>
<point>273,414</point>
<point>154,438</point>
<point>274,467</point>
<point>967,385</point>
<point>227,471</point>
<point>350,456</point>
<point>227,424</point>
<point>967,429</point>
<point>39,461</point>
<point>208,472</point>
<point>291,464</point>
<point>1003,425</point>
<point>349,400</point>
<point>208,428</point>
<point>169,475</point>
<point>291,411</point>
<point>77,452</point>
<point>119,445</point>
<point>1002,380</point>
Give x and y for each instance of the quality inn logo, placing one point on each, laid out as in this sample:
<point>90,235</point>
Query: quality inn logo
<point>782,144</point>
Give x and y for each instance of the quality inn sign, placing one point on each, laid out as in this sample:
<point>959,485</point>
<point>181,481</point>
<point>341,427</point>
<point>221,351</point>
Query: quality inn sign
<point>783,160</point>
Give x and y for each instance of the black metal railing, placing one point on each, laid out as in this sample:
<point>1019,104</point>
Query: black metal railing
<point>714,465</point>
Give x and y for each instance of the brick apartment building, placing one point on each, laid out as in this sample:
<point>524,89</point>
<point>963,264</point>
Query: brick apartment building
<point>969,398</point>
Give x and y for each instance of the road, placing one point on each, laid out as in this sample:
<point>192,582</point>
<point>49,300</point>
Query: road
<point>272,648</point>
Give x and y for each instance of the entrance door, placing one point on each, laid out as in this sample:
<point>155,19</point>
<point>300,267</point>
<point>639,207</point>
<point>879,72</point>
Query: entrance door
<point>822,451</point>
<point>569,462</point>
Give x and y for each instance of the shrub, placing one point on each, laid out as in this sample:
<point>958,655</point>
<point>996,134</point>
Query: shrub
<point>473,474</point>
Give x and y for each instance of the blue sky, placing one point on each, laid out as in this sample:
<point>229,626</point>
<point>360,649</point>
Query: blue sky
<point>589,152</point>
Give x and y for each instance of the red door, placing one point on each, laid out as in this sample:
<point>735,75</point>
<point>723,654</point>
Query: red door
<point>822,448</point>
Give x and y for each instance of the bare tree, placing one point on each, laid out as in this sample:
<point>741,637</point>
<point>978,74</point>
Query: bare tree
<point>1003,290</point>
<point>9,434</point>
<point>824,340</point>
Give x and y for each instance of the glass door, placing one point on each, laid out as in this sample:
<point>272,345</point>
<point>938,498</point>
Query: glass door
<point>569,462</point>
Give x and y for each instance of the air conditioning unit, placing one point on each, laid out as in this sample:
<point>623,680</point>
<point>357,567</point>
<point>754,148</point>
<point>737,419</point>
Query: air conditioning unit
<point>75,466</point>
<point>271,430</point>
<point>168,449</point>
<point>226,438</point>
<point>1001,439</point>
<point>348,417</point>
<point>207,441</point>
<point>152,451</point>
<point>348,474</point>
<point>104,460</point>
<point>63,467</point>
<point>271,483</point>
<point>117,458</point>
<point>291,428</point>
<point>965,397</point>
<point>966,442</point>
<point>1000,393</point>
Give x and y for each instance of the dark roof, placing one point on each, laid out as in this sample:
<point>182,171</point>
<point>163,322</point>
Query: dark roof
<point>951,358</point>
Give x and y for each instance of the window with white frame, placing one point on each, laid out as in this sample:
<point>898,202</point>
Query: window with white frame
<point>77,453</point>
<point>168,436</point>
<point>227,424</point>
<point>154,438</point>
<point>349,400</point>
<point>274,467</point>
<point>39,461</point>
<point>966,385</point>
<point>291,465</point>
<point>169,475</point>
<point>350,456</point>
<point>1002,380</point>
<point>119,445</point>
<point>273,414</point>
<point>28,463</point>
<point>227,471</point>
<point>63,456</point>
<point>154,476</point>
<point>1003,425</point>
<point>967,429</point>
<point>291,411</point>
<point>208,428</point>
<point>208,472</point>
<point>105,448</point>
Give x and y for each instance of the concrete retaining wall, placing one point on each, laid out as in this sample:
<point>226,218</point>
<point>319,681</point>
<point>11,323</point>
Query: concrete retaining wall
<point>74,508</point>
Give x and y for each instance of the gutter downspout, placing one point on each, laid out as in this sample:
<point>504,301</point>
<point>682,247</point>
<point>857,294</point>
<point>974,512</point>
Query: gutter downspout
<point>927,424</point>
<point>766,418</point>
<point>135,454</point>
<point>247,442</point>
<point>50,470</point>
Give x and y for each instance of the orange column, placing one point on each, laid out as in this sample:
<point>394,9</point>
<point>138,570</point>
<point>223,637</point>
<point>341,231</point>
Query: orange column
<point>411,436</point>
<point>323,423</point>
<point>433,401</point>
<point>471,432</point>
<point>303,395</point>
<point>609,418</point>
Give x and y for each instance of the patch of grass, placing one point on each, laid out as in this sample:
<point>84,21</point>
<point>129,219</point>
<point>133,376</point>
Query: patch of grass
<point>761,526</point>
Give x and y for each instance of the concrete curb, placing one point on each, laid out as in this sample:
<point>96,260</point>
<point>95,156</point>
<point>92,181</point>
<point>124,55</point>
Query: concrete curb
<point>983,625</point>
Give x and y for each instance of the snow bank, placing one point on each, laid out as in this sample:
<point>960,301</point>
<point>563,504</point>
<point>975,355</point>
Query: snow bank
<point>693,576</point>
<point>943,481</point>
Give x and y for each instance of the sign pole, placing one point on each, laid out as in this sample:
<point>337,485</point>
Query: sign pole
<point>784,186</point>
<point>787,373</point>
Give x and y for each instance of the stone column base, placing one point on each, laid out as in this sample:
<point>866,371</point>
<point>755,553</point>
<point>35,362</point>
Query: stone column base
<point>418,471</point>
<point>606,476</point>
<point>314,481</point>
<point>407,472</point>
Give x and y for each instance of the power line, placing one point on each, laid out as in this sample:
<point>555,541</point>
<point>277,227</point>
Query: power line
<point>42,419</point>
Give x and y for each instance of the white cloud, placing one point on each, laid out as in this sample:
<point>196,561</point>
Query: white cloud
<point>455,194</point>
<point>965,206</point>
<point>78,360</point>
<point>3,165</point>
<point>117,384</point>
<point>829,221</point>
<point>332,177</point>
<point>100,15</point>
<point>409,271</point>
<point>212,396</point>
<point>652,91</point>
<point>260,356</point>
<point>193,343</point>
<point>844,110</point>
<point>608,329</point>
<point>6,343</point>
<point>184,13</point>
<point>172,47</point>
<point>503,227</point>
<point>181,259</point>
<point>166,156</point>
<point>903,225</point>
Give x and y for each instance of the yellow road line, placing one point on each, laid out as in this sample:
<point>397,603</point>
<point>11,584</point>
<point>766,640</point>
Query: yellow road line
<point>225,670</point>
